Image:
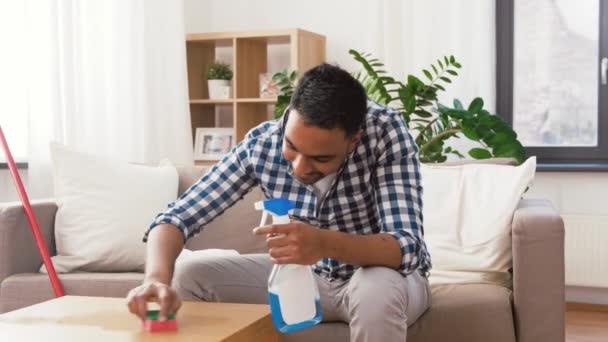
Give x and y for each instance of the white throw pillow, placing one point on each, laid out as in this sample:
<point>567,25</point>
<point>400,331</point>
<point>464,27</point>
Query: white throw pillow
<point>104,208</point>
<point>468,211</point>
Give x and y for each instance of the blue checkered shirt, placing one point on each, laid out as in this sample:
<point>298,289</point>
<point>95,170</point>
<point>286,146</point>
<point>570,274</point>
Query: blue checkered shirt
<point>377,190</point>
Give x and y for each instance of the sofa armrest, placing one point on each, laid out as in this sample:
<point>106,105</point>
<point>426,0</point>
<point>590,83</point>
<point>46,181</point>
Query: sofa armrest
<point>18,250</point>
<point>538,272</point>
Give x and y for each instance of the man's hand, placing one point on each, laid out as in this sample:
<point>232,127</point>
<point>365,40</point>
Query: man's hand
<point>164,295</point>
<point>293,243</point>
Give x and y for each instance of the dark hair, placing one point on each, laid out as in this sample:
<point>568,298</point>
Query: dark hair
<point>329,97</point>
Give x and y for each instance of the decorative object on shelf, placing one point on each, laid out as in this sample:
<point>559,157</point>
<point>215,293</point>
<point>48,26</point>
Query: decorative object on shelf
<point>219,76</point>
<point>212,143</point>
<point>269,87</point>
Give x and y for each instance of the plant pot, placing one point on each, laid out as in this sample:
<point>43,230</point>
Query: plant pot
<point>219,89</point>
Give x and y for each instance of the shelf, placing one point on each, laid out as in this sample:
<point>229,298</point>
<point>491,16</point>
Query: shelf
<point>230,101</point>
<point>208,101</point>
<point>205,162</point>
<point>257,100</point>
<point>268,34</point>
<point>250,54</point>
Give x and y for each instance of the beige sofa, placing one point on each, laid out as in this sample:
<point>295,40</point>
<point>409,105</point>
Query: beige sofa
<point>532,312</point>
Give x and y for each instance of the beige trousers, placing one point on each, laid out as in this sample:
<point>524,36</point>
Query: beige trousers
<point>378,303</point>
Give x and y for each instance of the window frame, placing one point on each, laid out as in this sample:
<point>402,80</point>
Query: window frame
<point>551,158</point>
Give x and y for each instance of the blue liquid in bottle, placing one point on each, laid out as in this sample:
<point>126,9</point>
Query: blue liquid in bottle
<point>279,321</point>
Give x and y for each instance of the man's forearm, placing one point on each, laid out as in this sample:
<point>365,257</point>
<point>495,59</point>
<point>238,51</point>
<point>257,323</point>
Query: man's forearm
<point>165,242</point>
<point>362,250</point>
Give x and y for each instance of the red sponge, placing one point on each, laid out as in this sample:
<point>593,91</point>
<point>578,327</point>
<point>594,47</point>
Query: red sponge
<point>152,324</point>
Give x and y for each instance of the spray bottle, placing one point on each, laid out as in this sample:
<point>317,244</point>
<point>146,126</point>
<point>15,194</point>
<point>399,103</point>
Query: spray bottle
<point>292,290</point>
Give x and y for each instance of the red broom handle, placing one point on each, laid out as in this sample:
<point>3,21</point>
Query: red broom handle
<point>44,252</point>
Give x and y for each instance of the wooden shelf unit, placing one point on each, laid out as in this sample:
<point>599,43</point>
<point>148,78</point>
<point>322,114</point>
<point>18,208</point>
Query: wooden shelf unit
<point>249,53</point>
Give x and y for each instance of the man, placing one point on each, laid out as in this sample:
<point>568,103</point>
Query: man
<point>352,169</point>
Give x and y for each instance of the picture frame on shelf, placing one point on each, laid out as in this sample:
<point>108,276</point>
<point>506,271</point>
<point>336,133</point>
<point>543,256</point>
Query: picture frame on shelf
<point>212,143</point>
<point>269,87</point>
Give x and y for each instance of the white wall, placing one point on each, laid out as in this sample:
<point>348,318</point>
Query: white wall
<point>421,31</point>
<point>7,187</point>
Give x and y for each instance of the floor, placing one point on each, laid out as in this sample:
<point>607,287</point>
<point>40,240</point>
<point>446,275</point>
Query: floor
<point>584,324</point>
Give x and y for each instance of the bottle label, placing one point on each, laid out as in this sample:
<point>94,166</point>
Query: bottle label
<point>296,297</point>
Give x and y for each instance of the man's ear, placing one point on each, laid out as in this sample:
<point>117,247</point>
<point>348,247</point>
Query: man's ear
<point>355,140</point>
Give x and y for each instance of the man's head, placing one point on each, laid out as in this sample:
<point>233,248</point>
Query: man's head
<point>324,122</point>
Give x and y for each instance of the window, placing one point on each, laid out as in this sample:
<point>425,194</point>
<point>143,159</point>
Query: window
<point>13,91</point>
<point>551,84</point>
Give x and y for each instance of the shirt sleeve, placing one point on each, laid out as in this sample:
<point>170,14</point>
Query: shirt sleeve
<point>398,190</point>
<point>220,188</point>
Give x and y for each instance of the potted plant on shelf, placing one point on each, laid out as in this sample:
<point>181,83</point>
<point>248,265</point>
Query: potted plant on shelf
<point>219,76</point>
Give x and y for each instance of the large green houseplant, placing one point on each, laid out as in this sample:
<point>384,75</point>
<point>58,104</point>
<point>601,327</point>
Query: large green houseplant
<point>433,123</point>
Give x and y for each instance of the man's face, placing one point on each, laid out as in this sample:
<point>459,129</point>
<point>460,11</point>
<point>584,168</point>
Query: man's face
<point>315,152</point>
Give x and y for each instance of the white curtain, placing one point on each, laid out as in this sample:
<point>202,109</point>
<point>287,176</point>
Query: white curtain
<point>104,77</point>
<point>410,35</point>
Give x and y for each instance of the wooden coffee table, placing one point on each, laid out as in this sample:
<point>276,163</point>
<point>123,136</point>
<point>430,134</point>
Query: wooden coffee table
<point>73,318</point>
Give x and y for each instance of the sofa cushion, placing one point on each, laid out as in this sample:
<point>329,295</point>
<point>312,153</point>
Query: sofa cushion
<point>466,312</point>
<point>27,289</point>
<point>104,207</point>
<point>468,211</point>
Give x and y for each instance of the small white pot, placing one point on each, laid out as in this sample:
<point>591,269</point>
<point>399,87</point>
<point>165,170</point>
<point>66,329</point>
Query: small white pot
<point>219,89</point>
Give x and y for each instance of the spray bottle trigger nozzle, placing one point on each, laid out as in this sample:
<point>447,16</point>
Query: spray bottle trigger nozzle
<point>259,205</point>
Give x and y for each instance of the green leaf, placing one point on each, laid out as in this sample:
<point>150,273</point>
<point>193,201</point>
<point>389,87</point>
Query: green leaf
<point>507,150</point>
<point>452,72</point>
<point>445,79</point>
<point>434,69</point>
<point>446,60</point>
<point>456,64</point>
<point>499,138</point>
<point>457,153</point>
<point>452,59</point>
<point>428,95</point>
<point>424,103</point>
<point>479,153</point>
<point>483,131</point>
<point>476,105</point>
<point>485,119</point>
<point>439,87</point>
<point>458,104</point>
<point>440,64</point>
<point>414,82</point>
<point>408,100</point>
<point>427,74</point>
<point>470,133</point>
<point>423,113</point>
